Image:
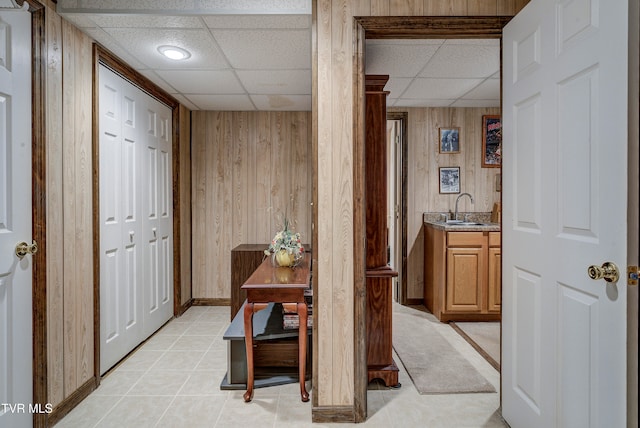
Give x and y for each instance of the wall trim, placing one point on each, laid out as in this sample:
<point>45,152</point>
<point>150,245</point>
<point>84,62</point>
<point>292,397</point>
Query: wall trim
<point>39,210</point>
<point>332,414</point>
<point>360,376</point>
<point>69,403</point>
<point>210,302</point>
<point>413,302</point>
<point>183,308</point>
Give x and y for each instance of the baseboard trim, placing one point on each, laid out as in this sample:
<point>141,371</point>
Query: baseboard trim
<point>413,302</point>
<point>183,308</point>
<point>69,403</point>
<point>331,414</point>
<point>210,302</point>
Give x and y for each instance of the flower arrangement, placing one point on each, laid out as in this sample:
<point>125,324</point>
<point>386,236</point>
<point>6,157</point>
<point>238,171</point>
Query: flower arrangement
<point>285,247</point>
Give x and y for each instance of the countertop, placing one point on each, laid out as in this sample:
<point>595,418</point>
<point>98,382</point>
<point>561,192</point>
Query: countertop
<point>436,221</point>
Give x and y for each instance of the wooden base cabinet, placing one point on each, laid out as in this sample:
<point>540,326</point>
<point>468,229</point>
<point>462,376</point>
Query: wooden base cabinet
<point>495,273</point>
<point>462,275</point>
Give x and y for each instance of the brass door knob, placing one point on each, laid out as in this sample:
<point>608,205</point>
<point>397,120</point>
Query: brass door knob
<point>608,271</point>
<point>22,249</point>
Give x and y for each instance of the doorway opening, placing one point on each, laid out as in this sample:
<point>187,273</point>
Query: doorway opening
<point>393,28</point>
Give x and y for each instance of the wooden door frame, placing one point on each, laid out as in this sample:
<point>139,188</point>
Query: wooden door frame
<point>389,27</point>
<point>39,208</point>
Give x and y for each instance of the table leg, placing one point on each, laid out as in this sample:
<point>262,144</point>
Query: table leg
<point>302,349</point>
<point>248,341</point>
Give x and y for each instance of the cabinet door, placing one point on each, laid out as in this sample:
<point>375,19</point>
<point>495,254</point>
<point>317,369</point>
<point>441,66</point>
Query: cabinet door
<point>465,278</point>
<point>495,279</point>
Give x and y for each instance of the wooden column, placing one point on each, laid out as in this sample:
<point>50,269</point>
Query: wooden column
<point>379,276</point>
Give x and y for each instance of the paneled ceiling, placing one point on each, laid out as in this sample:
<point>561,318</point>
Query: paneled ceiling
<point>248,55</point>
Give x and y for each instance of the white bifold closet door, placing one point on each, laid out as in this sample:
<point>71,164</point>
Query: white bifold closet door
<point>136,219</point>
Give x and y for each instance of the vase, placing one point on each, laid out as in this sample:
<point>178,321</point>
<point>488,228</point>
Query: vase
<point>283,258</point>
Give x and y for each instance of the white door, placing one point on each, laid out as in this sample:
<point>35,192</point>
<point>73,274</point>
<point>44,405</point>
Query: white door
<point>121,248</point>
<point>136,217</point>
<point>158,212</point>
<point>564,209</point>
<point>15,219</point>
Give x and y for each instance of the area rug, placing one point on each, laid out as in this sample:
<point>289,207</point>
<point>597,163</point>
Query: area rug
<point>484,337</point>
<point>434,365</point>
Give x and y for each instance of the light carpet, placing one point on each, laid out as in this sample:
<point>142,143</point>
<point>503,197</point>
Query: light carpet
<point>484,337</point>
<point>434,365</point>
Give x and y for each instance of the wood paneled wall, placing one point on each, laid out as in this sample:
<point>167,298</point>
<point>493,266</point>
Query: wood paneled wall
<point>70,332</point>
<point>248,170</point>
<point>423,161</point>
<point>333,118</point>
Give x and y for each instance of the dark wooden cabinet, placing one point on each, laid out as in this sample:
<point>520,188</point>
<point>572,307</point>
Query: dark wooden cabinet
<point>245,259</point>
<point>379,276</point>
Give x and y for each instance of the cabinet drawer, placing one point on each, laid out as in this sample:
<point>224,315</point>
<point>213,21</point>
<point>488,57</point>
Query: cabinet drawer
<point>466,239</point>
<point>494,239</point>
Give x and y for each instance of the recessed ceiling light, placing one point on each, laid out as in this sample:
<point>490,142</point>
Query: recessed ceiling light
<point>174,52</point>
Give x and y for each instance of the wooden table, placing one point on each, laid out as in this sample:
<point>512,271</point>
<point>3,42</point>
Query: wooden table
<point>279,285</point>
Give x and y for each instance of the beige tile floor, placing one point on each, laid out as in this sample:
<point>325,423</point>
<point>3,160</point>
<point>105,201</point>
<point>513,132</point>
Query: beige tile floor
<point>173,380</point>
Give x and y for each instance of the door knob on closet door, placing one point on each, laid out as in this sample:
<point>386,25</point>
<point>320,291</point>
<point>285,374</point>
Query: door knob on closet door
<point>608,271</point>
<point>22,249</point>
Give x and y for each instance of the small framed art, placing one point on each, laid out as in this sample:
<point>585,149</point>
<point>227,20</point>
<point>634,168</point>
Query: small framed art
<point>491,141</point>
<point>450,179</point>
<point>449,140</point>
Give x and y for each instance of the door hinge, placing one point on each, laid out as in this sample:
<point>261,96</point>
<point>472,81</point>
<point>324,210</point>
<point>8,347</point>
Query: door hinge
<point>632,275</point>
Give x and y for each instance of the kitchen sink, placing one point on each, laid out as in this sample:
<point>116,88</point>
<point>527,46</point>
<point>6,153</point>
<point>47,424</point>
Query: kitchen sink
<point>463,223</point>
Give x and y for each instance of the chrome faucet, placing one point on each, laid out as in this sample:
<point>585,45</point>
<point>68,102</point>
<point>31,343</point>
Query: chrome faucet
<point>455,215</point>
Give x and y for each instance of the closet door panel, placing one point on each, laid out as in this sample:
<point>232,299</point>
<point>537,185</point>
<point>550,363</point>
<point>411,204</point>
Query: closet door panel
<point>136,274</point>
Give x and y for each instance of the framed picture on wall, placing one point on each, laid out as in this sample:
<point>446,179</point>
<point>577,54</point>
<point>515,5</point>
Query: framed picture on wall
<point>491,141</point>
<point>450,179</point>
<point>449,140</point>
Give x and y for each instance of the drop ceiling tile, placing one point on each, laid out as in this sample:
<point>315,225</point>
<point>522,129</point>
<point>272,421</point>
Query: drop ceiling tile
<point>475,61</point>
<point>296,82</point>
<point>185,101</point>
<point>100,36</point>
<point>487,90</point>
<point>397,85</point>
<point>222,102</point>
<point>128,5</point>
<point>405,41</point>
<point>151,75</point>
<point>203,81</point>
<point>474,42</point>
<point>476,103</point>
<point>254,7</point>
<point>81,20</point>
<point>67,4</point>
<point>252,22</point>
<point>282,102</point>
<point>408,102</point>
<point>440,88</point>
<point>144,43</point>
<point>146,21</point>
<point>266,49</point>
<point>398,60</point>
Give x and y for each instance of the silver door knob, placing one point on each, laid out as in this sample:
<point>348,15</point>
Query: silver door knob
<point>22,249</point>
